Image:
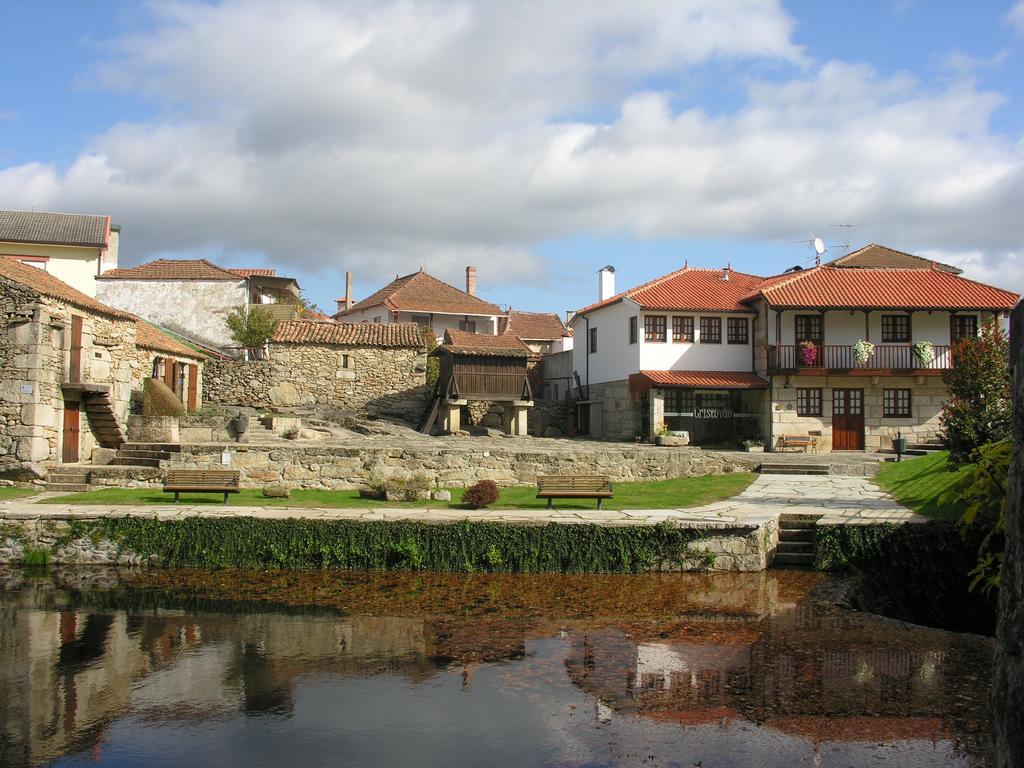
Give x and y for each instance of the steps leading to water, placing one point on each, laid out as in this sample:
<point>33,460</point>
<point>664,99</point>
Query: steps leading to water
<point>796,541</point>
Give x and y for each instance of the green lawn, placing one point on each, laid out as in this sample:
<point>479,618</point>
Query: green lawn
<point>7,493</point>
<point>919,484</point>
<point>660,494</point>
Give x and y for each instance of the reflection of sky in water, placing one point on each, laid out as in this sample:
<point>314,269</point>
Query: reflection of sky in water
<point>168,688</point>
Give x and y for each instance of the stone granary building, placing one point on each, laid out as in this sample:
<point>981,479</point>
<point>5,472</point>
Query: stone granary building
<point>377,369</point>
<point>192,297</point>
<point>69,365</point>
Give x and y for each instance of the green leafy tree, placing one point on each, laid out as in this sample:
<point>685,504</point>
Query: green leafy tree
<point>980,408</point>
<point>251,329</point>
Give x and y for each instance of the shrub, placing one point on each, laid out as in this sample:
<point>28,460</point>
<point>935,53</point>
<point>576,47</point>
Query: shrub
<point>251,329</point>
<point>481,494</point>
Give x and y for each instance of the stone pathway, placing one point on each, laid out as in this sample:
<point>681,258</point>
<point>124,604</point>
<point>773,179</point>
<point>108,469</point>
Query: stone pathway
<point>853,500</point>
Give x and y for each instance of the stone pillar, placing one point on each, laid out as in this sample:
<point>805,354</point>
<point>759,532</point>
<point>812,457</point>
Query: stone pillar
<point>451,415</point>
<point>1007,743</point>
<point>515,416</point>
<point>657,412</point>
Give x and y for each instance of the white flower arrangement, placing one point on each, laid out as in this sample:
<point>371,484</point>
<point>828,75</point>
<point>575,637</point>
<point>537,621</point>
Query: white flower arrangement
<point>924,352</point>
<point>862,351</point>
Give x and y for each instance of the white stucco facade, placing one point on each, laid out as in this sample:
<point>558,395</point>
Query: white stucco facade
<point>194,308</point>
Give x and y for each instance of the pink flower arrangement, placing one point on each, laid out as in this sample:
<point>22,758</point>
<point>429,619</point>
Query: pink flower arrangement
<point>808,353</point>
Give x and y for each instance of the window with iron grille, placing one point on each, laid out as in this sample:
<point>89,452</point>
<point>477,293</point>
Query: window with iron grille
<point>896,403</point>
<point>632,330</point>
<point>896,329</point>
<point>682,328</point>
<point>678,401</point>
<point>711,330</point>
<point>593,339</point>
<point>737,330</point>
<point>808,402</point>
<point>654,328</point>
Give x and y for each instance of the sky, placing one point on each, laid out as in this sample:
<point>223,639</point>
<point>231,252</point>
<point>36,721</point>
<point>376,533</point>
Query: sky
<point>535,140</point>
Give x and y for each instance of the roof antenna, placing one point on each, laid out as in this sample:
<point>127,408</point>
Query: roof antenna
<point>817,245</point>
<point>846,238</point>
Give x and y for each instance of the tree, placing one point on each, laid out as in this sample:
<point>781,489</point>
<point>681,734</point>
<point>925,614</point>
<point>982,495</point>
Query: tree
<point>251,329</point>
<point>980,408</point>
<point>308,310</point>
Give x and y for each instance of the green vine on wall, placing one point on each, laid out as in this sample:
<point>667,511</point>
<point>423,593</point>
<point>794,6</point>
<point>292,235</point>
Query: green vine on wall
<point>396,545</point>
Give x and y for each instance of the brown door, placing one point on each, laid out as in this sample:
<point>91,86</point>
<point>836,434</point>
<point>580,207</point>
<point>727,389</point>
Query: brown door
<point>847,419</point>
<point>72,432</point>
<point>75,367</point>
<point>193,387</point>
<point>169,377</point>
<point>810,328</point>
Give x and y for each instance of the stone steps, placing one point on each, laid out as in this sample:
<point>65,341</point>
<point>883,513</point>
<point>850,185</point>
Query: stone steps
<point>796,541</point>
<point>768,468</point>
<point>67,487</point>
<point>67,479</point>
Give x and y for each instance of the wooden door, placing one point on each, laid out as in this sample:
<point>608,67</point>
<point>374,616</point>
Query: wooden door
<point>169,377</point>
<point>847,419</point>
<point>75,366</point>
<point>193,387</point>
<point>72,432</point>
<point>810,328</point>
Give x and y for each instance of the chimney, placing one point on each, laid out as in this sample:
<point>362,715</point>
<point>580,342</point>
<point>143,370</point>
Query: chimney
<point>471,281</point>
<point>345,302</point>
<point>606,282</point>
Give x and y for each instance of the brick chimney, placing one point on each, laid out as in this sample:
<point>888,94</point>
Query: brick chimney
<point>471,281</point>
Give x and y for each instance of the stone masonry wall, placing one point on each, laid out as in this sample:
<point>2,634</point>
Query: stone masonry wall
<point>619,410</point>
<point>374,380</point>
<point>342,467</point>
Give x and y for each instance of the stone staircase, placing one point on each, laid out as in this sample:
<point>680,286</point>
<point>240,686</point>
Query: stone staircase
<point>70,478</point>
<point>259,433</point>
<point>102,421</point>
<point>788,468</point>
<point>923,448</point>
<point>143,454</point>
<point>796,541</point>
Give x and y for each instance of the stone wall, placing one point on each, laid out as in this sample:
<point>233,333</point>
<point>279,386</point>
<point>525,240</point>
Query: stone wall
<point>342,467</point>
<point>616,415</point>
<point>18,537</point>
<point>382,381</point>
<point>1008,671</point>
<point>929,393</point>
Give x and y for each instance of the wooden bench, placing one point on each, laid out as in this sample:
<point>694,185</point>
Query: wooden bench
<point>553,487</point>
<point>181,481</point>
<point>798,441</point>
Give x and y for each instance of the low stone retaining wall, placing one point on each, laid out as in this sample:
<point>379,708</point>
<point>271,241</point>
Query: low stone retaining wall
<point>117,539</point>
<point>343,467</point>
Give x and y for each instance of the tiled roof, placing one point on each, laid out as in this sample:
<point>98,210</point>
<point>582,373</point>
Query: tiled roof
<point>535,326</point>
<point>883,288</point>
<point>44,283</point>
<point>54,228</point>
<point>349,334</point>
<point>420,292</point>
<point>690,289</point>
<point>253,272</point>
<point>150,337</point>
<point>874,256</point>
<point>466,343</point>
<point>696,379</point>
<point>173,269</point>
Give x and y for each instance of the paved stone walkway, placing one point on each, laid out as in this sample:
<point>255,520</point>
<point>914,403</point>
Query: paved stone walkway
<point>854,500</point>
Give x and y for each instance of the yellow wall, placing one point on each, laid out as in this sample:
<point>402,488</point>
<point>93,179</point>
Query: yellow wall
<point>74,265</point>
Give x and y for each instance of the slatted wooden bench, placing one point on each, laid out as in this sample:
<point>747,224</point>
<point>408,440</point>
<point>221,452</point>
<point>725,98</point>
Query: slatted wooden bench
<point>179,481</point>
<point>798,441</point>
<point>553,487</point>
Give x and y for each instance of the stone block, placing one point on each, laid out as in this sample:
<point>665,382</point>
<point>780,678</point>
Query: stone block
<point>196,434</point>
<point>276,492</point>
<point>33,449</point>
<point>441,495</point>
<point>39,414</point>
<point>103,456</point>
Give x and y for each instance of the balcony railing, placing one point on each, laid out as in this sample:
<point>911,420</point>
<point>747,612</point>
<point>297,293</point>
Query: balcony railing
<point>840,357</point>
<point>280,311</point>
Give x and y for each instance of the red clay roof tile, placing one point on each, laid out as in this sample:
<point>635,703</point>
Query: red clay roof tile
<point>349,334</point>
<point>420,292</point>
<point>44,283</point>
<point>151,337</point>
<point>697,379</point>
<point>175,269</point>
<point>690,289</point>
<point>535,326</point>
<point>466,343</point>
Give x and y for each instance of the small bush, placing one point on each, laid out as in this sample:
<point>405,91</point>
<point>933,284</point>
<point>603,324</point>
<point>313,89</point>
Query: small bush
<point>481,494</point>
<point>35,558</point>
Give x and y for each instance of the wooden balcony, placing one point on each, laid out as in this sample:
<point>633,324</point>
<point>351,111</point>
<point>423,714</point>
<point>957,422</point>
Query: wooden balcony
<point>839,358</point>
<point>282,311</point>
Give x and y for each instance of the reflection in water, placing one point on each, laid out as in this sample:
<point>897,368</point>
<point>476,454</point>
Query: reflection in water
<point>231,668</point>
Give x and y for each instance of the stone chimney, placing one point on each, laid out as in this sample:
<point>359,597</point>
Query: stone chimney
<point>606,282</point>
<point>345,302</point>
<point>471,281</point>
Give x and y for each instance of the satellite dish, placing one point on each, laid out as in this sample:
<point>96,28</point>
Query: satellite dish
<point>819,246</point>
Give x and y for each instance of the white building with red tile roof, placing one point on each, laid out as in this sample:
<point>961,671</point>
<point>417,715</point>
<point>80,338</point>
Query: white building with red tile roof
<point>850,353</point>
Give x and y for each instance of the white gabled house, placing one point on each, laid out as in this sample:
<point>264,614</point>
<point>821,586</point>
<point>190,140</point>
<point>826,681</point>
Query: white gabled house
<point>850,353</point>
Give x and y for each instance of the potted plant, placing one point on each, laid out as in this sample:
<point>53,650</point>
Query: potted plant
<point>665,438</point>
<point>862,351</point>
<point>808,353</point>
<point>754,445</point>
<point>923,352</point>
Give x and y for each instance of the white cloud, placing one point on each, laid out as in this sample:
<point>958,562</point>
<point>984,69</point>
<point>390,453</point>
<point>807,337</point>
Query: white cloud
<point>1015,16</point>
<point>384,136</point>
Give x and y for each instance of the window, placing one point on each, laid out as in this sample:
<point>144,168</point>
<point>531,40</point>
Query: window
<point>376,319</point>
<point>593,340</point>
<point>632,330</point>
<point>808,402</point>
<point>738,330</point>
<point>654,328</point>
<point>964,327</point>
<point>896,329</point>
<point>682,329</point>
<point>345,361</point>
<point>896,403</point>
<point>421,320</point>
<point>711,330</point>
<point>809,328</point>
<point>467,325</point>
<point>679,402</point>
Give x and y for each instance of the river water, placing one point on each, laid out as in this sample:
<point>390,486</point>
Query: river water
<point>193,668</point>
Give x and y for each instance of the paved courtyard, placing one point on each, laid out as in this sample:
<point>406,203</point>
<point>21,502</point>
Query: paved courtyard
<point>837,499</point>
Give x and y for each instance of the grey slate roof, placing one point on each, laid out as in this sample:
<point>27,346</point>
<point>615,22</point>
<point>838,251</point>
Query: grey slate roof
<point>53,228</point>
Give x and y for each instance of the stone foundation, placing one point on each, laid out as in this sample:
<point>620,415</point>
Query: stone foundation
<point>51,536</point>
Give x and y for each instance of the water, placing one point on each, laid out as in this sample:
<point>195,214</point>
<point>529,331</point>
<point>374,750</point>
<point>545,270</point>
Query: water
<point>189,668</point>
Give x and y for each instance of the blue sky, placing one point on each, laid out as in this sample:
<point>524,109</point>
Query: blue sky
<point>538,144</point>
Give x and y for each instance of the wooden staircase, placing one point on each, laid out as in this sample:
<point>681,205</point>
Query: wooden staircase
<point>796,541</point>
